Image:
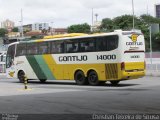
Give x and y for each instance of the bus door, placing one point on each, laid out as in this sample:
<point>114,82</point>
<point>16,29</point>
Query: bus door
<point>10,61</point>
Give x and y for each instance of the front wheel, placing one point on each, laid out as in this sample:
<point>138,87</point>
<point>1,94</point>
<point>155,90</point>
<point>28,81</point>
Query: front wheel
<point>21,76</point>
<point>93,78</point>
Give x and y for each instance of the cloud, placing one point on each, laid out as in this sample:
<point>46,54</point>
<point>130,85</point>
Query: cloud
<point>67,12</point>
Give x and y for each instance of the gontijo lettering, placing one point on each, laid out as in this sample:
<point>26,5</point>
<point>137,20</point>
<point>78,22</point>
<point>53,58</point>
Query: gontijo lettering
<point>73,58</point>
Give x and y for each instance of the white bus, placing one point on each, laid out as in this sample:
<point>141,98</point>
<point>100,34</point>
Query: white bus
<point>85,58</point>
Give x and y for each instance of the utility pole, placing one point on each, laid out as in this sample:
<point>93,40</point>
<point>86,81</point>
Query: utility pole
<point>150,36</point>
<point>51,28</point>
<point>133,13</point>
<point>92,21</point>
<point>22,23</point>
<point>147,8</point>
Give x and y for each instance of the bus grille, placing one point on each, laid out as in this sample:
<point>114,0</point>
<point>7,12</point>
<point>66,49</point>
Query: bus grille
<point>111,71</point>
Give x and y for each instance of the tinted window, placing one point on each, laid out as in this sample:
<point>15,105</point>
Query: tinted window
<point>21,49</point>
<point>107,43</point>
<point>57,47</point>
<point>87,45</point>
<point>32,49</point>
<point>43,47</point>
<point>71,46</point>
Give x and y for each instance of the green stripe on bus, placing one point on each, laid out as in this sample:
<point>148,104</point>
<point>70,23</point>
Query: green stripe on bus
<point>44,67</point>
<point>35,66</point>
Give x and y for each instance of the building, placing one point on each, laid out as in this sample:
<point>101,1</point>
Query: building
<point>27,28</point>
<point>157,10</point>
<point>96,26</point>
<point>40,26</point>
<point>7,24</point>
<point>57,31</point>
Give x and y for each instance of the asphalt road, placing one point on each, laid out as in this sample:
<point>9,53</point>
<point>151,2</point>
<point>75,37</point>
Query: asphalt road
<point>140,96</point>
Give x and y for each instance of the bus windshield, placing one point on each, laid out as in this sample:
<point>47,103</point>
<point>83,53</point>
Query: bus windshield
<point>10,56</point>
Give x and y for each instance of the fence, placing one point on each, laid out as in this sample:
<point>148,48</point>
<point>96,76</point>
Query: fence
<point>154,67</point>
<point>2,67</point>
<point>3,49</point>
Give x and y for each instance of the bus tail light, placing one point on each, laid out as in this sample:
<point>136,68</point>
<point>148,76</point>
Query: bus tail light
<point>122,66</point>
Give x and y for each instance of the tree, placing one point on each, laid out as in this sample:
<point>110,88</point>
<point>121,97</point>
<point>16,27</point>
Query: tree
<point>15,29</point>
<point>156,41</point>
<point>3,32</point>
<point>125,22</point>
<point>79,28</point>
<point>107,25</point>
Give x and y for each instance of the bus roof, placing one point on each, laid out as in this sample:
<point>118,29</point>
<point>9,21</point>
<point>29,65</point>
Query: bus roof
<point>77,35</point>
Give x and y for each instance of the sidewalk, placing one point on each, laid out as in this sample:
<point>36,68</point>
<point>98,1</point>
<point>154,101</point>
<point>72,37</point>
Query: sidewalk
<point>2,75</point>
<point>153,73</point>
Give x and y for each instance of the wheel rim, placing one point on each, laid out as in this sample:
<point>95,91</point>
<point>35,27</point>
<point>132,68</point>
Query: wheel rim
<point>93,78</point>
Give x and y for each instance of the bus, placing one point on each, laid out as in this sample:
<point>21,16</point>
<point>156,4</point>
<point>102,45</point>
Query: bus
<point>86,58</point>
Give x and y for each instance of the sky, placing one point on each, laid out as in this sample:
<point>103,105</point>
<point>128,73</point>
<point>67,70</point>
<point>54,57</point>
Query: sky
<point>63,13</point>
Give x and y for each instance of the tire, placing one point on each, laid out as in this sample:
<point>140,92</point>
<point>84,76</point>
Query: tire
<point>80,78</point>
<point>93,78</point>
<point>42,80</point>
<point>21,76</point>
<point>115,82</point>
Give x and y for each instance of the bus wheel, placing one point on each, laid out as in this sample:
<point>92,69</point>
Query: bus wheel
<point>21,76</point>
<point>80,78</point>
<point>42,80</point>
<point>93,78</point>
<point>115,82</point>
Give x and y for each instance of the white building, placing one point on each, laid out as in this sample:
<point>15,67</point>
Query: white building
<point>40,26</point>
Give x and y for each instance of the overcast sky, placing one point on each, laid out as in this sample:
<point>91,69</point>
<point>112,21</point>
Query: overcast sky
<point>67,12</point>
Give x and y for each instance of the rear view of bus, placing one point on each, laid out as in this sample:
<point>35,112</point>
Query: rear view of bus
<point>133,52</point>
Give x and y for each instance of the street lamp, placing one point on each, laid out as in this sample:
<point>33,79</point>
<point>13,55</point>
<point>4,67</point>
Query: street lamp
<point>96,17</point>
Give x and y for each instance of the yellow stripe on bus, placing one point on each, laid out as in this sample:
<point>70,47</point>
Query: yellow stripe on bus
<point>57,70</point>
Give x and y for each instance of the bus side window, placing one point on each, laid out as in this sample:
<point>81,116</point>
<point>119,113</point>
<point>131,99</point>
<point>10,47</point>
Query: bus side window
<point>32,49</point>
<point>56,47</point>
<point>21,49</point>
<point>71,46</point>
<point>88,45</point>
<point>107,43</point>
<point>43,48</point>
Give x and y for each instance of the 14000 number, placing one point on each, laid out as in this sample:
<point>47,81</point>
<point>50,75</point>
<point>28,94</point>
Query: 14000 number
<point>106,57</point>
